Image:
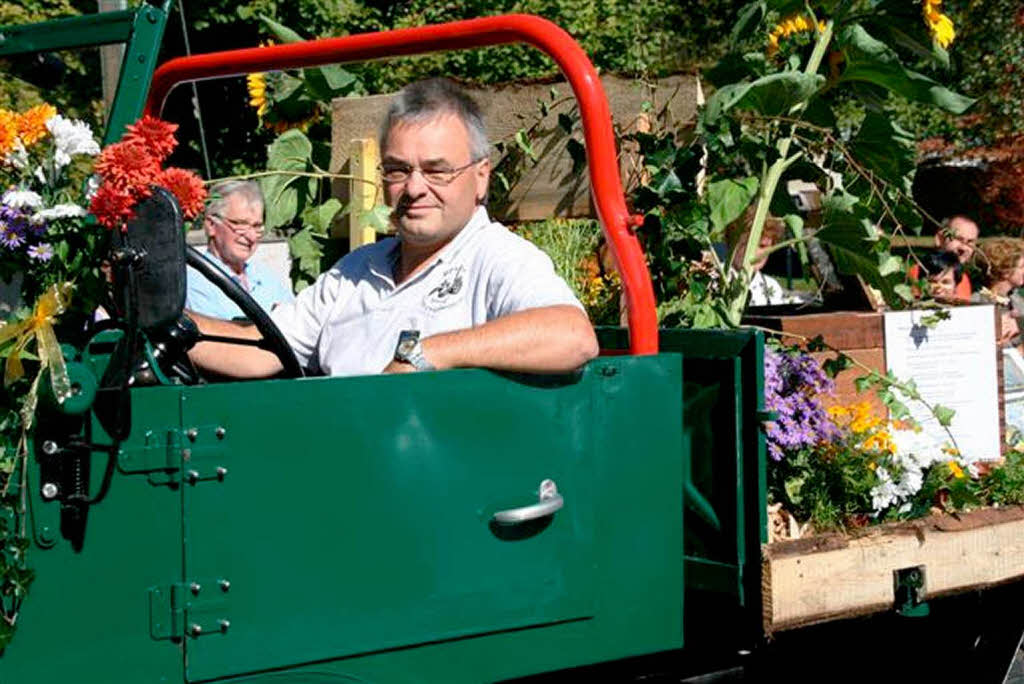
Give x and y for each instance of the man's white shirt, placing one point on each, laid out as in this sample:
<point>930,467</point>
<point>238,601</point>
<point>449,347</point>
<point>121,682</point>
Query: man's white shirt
<point>348,321</point>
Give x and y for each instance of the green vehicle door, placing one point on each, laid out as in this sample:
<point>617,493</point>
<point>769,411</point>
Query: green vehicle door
<point>331,518</point>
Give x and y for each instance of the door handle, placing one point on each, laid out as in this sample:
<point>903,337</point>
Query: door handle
<point>549,501</point>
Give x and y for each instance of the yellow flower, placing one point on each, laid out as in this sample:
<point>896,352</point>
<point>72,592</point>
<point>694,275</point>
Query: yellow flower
<point>940,25</point>
<point>957,471</point>
<point>798,23</point>
<point>872,466</point>
<point>32,123</point>
<point>8,131</point>
<point>257,85</point>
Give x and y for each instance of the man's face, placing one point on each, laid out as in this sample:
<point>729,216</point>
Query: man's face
<point>430,213</point>
<point>960,237</point>
<point>235,230</point>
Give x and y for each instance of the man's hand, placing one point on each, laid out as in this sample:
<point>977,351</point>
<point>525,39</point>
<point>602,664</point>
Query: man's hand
<point>397,366</point>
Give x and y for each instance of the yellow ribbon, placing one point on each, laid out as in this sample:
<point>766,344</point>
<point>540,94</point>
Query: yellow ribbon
<point>39,325</point>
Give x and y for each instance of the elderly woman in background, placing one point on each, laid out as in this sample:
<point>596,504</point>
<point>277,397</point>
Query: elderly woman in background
<point>1002,265</point>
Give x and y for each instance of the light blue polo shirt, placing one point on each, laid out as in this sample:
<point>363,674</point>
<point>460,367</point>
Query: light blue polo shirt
<point>264,286</point>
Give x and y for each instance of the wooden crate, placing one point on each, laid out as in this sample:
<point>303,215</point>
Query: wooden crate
<point>834,576</point>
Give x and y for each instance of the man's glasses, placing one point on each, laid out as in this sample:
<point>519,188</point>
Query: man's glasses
<point>399,173</point>
<point>240,227</point>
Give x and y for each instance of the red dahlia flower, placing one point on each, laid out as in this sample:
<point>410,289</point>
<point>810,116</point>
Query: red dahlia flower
<point>187,187</point>
<point>128,165</point>
<point>156,135</point>
<point>112,206</point>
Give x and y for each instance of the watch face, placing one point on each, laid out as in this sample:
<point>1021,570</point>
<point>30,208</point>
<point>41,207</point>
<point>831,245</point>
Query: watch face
<point>406,345</point>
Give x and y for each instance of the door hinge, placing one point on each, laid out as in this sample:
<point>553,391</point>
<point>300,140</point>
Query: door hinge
<point>192,609</point>
<point>172,457</point>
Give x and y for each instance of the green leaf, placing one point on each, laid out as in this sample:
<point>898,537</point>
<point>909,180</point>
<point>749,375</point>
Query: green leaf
<point>729,198</point>
<point>285,194</point>
<point>280,31</point>
<point>329,82</point>
<point>524,144</point>
<point>320,217</point>
<point>852,239</point>
<point>904,292</point>
<point>748,22</point>
<point>943,414</point>
<point>872,61</point>
<point>889,264</point>
<point>884,148</point>
<point>578,154</point>
<point>776,94</point>
<point>378,218</point>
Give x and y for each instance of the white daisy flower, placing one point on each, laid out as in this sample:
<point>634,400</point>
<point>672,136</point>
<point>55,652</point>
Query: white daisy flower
<point>70,137</point>
<point>22,199</point>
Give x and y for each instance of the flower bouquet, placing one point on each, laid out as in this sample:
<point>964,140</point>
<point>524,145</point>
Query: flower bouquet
<point>61,197</point>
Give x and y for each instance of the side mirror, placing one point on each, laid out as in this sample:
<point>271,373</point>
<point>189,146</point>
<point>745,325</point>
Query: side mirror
<point>149,264</point>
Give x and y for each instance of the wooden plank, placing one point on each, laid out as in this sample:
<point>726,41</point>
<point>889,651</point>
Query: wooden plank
<point>363,190</point>
<point>806,581</point>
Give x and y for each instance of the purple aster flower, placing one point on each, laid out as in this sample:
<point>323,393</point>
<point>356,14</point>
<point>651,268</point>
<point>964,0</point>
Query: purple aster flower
<point>10,236</point>
<point>41,252</point>
<point>793,385</point>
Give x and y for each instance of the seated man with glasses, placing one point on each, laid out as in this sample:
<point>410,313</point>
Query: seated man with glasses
<point>233,222</point>
<point>453,289</point>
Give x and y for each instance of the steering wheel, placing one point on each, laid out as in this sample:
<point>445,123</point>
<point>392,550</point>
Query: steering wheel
<point>273,340</point>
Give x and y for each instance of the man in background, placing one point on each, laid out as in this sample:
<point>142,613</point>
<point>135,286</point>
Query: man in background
<point>233,223</point>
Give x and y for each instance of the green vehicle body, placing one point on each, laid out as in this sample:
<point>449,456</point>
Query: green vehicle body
<point>342,529</point>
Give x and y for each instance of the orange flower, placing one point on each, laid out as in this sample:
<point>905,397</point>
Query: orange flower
<point>187,188</point>
<point>32,123</point>
<point>128,166</point>
<point>112,206</point>
<point>8,131</point>
<point>156,135</point>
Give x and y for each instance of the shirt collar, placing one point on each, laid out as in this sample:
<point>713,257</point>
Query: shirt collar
<point>382,264</point>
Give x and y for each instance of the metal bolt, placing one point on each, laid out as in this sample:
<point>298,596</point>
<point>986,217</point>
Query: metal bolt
<point>221,472</point>
<point>186,454</point>
<point>195,630</point>
<point>192,433</point>
<point>142,59</point>
<point>224,585</point>
<point>49,490</point>
<point>193,476</point>
<point>224,624</point>
<point>50,447</point>
<point>220,433</point>
<point>195,588</point>
<point>609,371</point>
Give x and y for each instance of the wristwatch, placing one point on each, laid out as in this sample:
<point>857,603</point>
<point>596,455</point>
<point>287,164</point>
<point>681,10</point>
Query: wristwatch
<point>410,350</point>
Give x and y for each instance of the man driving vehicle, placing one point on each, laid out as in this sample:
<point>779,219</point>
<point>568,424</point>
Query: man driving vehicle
<point>452,290</point>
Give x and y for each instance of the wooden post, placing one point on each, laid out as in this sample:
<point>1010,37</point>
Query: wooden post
<point>363,187</point>
<point>110,59</point>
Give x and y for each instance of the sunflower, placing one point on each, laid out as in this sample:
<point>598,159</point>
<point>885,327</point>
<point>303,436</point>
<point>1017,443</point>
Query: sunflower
<point>257,85</point>
<point>940,25</point>
<point>798,23</point>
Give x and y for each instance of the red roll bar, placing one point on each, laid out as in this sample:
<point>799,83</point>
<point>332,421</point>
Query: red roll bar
<point>605,183</point>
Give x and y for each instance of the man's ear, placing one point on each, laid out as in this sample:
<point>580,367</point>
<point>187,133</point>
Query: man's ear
<point>482,177</point>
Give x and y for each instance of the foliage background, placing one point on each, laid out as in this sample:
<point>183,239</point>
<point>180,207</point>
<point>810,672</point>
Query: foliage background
<point>636,39</point>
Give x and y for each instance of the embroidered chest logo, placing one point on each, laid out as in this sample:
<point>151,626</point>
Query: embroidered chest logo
<point>448,291</point>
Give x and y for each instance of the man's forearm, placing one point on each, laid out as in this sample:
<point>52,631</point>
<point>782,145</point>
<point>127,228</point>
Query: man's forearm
<point>232,360</point>
<point>552,339</point>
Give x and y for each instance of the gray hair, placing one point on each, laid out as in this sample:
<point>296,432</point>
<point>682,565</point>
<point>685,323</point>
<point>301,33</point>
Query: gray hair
<point>249,190</point>
<point>424,100</point>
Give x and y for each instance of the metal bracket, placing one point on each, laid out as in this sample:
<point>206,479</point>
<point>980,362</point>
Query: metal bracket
<point>173,457</point>
<point>193,609</point>
<point>909,591</point>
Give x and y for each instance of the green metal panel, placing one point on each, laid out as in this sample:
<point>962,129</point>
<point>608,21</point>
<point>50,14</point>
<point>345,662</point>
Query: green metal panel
<point>86,619</point>
<point>357,521</point>
<point>723,402</point>
<point>351,524</point>
<point>137,67</point>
